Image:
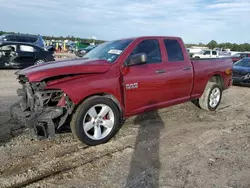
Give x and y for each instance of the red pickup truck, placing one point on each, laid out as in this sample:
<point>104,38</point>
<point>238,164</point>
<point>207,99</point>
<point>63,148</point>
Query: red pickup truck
<point>116,80</point>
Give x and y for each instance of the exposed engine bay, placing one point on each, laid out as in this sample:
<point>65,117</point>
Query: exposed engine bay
<point>47,109</point>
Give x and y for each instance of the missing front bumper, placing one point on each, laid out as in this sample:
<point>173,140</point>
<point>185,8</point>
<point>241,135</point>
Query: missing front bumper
<point>42,121</point>
<point>43,111</point>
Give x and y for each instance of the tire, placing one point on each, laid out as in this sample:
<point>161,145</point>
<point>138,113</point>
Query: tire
<point>197,57</point>
<point>205,102</point>
<point>39,61</point>
<point>82,113</point>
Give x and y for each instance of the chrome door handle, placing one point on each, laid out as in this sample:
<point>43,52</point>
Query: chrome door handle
<point>186,68</point>
<point>160,71</point>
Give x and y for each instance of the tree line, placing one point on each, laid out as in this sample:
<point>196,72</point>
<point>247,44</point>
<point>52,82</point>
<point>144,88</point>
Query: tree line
<point>212,44</point>
<point>227,45</point>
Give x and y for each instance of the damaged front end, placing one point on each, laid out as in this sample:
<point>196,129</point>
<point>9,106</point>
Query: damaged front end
<point>47,109</point>
<point>240,78</point>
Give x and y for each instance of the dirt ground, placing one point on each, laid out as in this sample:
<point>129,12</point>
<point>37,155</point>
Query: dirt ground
<point>177,147</point>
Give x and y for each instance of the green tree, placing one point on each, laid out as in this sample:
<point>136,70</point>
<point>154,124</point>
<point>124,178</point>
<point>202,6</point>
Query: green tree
<point>212,44</point>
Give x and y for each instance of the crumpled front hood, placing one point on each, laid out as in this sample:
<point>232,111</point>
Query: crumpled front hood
<point>38,73</point>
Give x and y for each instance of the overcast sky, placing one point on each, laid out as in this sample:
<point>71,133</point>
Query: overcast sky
<point>193,20</point>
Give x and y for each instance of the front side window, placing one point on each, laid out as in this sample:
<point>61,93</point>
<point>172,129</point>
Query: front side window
<point>206,53</point>
<point>151,48</point>
<point>109,51</point>
<point>26,48</point>
<point>174,50</point>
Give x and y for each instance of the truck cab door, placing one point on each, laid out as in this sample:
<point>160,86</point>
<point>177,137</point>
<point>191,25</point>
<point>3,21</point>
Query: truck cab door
<point>207,54</point>
<point>143,85</point>
<point>180,74</point>
<point>215,54</point>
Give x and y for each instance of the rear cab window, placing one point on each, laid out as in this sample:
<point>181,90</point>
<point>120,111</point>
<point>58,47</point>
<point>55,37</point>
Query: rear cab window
<point>174,50</point>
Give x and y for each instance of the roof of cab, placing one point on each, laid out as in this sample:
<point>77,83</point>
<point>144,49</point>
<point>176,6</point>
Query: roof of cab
<point>146,37</point>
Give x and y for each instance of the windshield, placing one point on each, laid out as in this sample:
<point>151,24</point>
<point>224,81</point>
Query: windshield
<point>243,63</point>
<point>109,51</point>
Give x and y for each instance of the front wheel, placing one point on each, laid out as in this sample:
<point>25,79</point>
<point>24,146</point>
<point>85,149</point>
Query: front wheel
<point>96,121</point>
<point>39,62</point>
<point>211,97</point>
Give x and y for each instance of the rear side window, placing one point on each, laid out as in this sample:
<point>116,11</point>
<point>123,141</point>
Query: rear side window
<point>207,53</point>
<point>26,48</point>
<point>174,50</point>
<point>214,53</point>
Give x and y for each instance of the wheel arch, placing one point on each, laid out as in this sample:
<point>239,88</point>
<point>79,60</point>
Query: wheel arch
<point>217,78</point>
<point>103,94</point>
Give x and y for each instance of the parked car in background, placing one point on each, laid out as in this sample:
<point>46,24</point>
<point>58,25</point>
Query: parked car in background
<point>241,72</point>
<point>22,55</point>
<point>236,57</point>
<point>206,54</point>
<point>82,51</point>
<point>35,39</point>
<point>114,81</point>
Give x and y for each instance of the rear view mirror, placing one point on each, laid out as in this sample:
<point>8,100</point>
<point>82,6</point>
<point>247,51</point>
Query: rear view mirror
<point>137,59</point>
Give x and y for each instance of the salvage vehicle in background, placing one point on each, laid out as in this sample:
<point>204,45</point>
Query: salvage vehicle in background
<point>82,51</point>
<point>23,55</point>
<point>114,81</point>
<point>241,72</point>
<point>236,57</point>
<point>206,54</point>
<point>34,39</point>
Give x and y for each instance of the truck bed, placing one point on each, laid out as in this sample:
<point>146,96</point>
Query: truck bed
<point>206,68</point>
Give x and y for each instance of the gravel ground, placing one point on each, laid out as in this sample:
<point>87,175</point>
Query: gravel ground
<point>177,147</point>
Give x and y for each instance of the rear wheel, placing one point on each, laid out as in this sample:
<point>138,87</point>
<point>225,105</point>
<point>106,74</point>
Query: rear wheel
<point>211,97</point>
<point>96,121</point>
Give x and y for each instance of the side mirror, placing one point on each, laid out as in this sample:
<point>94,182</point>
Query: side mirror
<point>137,59</point>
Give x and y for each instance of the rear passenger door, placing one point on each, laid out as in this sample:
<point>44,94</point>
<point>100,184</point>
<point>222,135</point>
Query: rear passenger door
<point>26,55</point>
<point>179,72</point>
<point>214,54</point>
